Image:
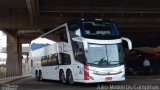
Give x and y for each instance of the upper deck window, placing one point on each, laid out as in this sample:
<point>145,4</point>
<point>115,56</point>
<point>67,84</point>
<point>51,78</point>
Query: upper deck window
<point>94,29</point>
<point>99,29</point>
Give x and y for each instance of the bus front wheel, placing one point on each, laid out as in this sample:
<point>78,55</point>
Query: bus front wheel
<point>70,77</point>
<point>36,74</point>
<point>40,78</point>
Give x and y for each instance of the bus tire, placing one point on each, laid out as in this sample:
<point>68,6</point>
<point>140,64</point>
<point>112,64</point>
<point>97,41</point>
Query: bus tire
<point>62,77</point>
<point>70,77</point>
<point>40,78</point>
<point>36,74</point>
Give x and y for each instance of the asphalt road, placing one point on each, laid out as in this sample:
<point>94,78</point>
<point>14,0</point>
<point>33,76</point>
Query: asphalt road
<point>131,83</point>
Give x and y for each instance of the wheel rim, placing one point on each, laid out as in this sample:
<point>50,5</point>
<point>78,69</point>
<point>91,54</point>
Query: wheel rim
<point>70,77</point>
<point>36,75</point>
<point>40,77</point>
<point>63,79</point>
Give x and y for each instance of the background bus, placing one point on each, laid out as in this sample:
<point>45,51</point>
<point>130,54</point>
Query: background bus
<point>87,51</point>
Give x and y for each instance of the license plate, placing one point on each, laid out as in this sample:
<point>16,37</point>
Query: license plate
<point>108,78</point>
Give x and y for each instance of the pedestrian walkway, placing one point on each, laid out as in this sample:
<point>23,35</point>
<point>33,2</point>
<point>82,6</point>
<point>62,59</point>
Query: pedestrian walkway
<point>9,79</point>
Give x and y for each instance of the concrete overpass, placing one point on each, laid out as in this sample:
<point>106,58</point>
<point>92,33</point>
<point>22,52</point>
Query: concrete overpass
<point>24,20</point>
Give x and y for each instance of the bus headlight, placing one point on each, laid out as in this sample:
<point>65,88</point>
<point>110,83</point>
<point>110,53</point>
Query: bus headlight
<point>122,70</point>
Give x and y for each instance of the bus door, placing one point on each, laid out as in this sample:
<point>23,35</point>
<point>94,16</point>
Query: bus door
<point>79,64</point>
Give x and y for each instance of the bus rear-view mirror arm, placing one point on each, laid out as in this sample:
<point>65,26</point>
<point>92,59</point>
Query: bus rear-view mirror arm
<point>79,39</point>
<point>128,42</point>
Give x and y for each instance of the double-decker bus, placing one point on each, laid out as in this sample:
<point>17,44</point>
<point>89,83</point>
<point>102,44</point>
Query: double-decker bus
<point>86,51</point>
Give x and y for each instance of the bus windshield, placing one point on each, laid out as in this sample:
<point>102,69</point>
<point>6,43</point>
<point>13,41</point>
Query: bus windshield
<point>104,55</point>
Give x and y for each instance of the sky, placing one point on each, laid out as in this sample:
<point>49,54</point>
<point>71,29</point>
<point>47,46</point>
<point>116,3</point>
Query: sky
<point>3,41</point>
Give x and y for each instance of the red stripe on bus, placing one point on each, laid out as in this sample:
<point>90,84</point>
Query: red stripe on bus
<point>86,73</point>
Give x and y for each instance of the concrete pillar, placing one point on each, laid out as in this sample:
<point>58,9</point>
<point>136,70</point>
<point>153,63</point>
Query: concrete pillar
<point>28,64</point>
<point>20,57</point>
<point>14,54</point>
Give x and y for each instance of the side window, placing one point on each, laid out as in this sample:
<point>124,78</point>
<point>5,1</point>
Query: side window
<point>49,60</point>
<point>53,60</point>
<point>44,60</point>
<point>65,59</point>
<point>79,53</point>
<point>59,35</point>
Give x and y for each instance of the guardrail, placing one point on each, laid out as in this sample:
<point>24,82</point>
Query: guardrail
<point>4,73</point>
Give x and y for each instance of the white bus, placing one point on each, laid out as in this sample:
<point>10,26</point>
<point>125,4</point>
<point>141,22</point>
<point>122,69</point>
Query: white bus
<point>86,51</point>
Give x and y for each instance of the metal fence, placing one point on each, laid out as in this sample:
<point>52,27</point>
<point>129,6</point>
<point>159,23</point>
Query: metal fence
<point>2,68</point>
<point>26,68</point>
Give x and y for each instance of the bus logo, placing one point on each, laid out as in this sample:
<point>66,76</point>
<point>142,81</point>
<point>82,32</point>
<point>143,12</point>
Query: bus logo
<point>108,78</point>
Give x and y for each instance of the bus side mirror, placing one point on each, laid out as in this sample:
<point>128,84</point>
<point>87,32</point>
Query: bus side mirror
<point>85,45</point>
<point>77,39</point>
<point>128,42</point>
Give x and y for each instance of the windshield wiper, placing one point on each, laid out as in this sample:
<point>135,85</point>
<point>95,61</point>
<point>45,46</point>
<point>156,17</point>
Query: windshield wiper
<point>93,63</point>
<point>115,63</point>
